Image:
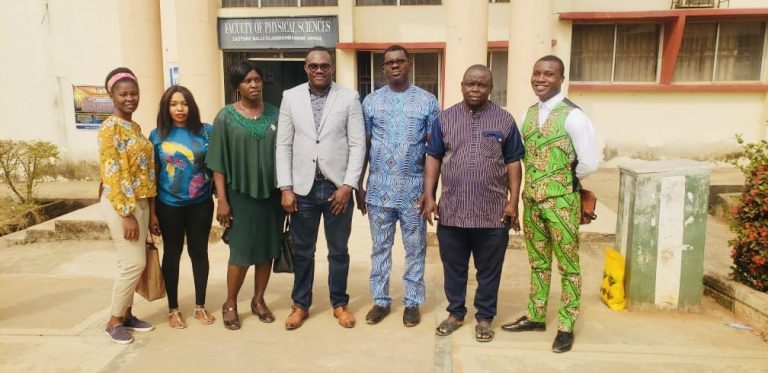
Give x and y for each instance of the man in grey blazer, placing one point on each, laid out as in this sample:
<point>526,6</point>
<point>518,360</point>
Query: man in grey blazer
<point>320,154</point>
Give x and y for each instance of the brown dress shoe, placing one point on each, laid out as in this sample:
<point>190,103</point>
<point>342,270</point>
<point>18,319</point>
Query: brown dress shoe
<point>296,319</point>
<point>346,319</point>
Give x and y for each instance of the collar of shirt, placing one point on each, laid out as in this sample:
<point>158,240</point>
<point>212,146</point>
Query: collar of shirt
<point>546,107</point>
<point>323,93</point>
<point>476,112</point>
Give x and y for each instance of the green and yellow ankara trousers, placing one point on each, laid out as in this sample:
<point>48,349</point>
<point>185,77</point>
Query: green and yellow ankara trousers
<point>553,225</point>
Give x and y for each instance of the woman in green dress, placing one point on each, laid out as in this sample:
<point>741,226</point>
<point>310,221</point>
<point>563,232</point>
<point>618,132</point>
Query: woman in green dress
<point>242,156</point>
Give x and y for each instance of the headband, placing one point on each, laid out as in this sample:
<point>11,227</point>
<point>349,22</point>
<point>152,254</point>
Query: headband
<point>115,78</point>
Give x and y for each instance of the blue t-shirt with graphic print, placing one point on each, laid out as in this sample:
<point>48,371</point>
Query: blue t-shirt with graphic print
<point>183,179</point>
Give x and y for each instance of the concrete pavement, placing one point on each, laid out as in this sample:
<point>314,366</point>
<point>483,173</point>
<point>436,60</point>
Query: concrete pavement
<point>57,294</point>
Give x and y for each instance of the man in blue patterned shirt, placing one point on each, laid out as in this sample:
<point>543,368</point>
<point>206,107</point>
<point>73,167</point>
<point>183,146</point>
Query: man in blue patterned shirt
<point>398,118</point>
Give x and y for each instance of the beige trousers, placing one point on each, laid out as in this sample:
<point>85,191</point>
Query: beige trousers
<point>131,255</point>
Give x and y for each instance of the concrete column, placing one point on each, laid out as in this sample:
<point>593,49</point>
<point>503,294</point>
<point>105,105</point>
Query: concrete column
<point>530,36</point>
<point>189,42</point>
<point>466,43</point>
<point>142,53</point>
<point>346,60</point>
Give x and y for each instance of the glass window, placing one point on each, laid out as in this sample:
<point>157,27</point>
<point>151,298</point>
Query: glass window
<point>721,52</point>
<point>696,58</point>
<point>497,62</point>
<point>425,72</point>
<point>498,1</point>
<point>615,53</point>
<point>637,53</point>
<point>376,2</point>
<point>239,3</point>
<point>319,2</point>
<point>276,3</point>
<point>740,51</point>
<point>398,2</point>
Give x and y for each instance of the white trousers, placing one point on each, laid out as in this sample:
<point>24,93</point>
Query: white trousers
<point>131,255</point>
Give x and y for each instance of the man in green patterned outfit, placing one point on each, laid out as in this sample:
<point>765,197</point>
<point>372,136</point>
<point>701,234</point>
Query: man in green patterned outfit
<point>559,151</point>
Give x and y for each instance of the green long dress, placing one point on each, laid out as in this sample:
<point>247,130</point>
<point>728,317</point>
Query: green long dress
<point>243,150</point>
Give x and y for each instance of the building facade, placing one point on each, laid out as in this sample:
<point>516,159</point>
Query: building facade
<point>659,78</point>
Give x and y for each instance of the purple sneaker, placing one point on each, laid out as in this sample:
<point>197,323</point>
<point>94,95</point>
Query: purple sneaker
<point>133,323</point>
<point>119,334</point>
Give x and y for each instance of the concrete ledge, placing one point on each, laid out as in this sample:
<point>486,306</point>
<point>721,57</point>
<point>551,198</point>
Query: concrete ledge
<point>745,302</point>
<point>516,240</point>
<point>75,230</point>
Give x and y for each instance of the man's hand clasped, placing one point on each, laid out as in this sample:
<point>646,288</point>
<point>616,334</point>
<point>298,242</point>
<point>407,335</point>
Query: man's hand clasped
<point>360,200</point>
<point>428,208</point>
<point>340,199</point>
<point>288,201</point>
<point>510,217</point>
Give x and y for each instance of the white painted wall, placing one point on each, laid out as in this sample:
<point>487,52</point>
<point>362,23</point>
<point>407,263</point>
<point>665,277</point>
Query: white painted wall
<point>46,52</point>
<point>48,46</point>
<point>699,125</point>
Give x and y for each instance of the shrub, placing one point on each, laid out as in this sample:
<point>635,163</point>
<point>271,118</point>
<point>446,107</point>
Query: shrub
<point>78,170</point>
<point>24,163</point>
<point>749,249</point>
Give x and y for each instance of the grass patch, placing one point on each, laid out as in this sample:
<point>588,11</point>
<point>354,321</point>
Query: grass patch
<point>15,216</point>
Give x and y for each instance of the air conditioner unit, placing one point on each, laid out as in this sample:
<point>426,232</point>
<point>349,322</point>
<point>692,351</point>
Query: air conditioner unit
<point>695,3</point>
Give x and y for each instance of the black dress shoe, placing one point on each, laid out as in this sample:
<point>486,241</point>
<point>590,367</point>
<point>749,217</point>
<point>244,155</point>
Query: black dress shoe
<point>524,324</point>
<point>376,314</point>
<point>563,342</point>
<point>411,316</point>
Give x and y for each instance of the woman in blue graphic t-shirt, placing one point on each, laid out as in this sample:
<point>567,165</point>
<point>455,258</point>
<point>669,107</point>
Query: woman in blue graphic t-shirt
<point>183,205</point>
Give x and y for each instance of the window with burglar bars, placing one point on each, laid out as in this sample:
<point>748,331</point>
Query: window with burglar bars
<point>677,4</point>
<point>398,2</point>
<point>425,71</point>
<point>275,3</point>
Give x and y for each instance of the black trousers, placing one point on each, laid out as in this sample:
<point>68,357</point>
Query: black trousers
<point>488,247</point>
<point>194,222</point>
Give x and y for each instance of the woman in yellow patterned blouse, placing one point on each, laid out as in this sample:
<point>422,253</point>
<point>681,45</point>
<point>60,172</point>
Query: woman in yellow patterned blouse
<point>126,164</point>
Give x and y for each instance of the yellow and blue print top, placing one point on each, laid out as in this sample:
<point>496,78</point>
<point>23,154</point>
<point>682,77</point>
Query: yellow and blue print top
<point>183,178</point>
<point>126,164</point>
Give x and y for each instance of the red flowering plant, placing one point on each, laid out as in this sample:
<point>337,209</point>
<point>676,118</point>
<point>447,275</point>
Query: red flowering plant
<point>749,218</point>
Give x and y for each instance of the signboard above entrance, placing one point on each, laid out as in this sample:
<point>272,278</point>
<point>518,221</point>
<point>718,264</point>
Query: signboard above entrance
<point>278,32</point>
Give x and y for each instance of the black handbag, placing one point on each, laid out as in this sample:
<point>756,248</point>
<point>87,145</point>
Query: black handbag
<point>284,264</point>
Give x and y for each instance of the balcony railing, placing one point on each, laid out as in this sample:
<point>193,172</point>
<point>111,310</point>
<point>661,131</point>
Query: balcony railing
<point>687,4</point>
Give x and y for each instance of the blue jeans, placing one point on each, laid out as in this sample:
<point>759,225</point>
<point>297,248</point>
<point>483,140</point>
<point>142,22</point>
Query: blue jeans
<point>305,224</point>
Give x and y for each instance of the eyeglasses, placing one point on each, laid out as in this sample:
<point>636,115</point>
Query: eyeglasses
<point>323,67</point>
<point>399,61</point>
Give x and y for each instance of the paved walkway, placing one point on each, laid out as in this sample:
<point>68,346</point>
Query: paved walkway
<point>57,296</point>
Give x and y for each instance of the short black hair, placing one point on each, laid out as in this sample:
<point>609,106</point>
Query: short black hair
<point>482,68</point>
<point>238,73</point>
<point>319,48</point>
<point>553,58</point>
<point>396,47</point>
<point>118,71</point>
<point>164,121</point>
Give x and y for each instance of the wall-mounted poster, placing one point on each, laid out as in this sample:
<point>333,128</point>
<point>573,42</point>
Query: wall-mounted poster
<point>92,106</point>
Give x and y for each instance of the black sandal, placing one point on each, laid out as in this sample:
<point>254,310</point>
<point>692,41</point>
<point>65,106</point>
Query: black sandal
<point>484,333</point>
<point>230,323</point>
<point>448,326</point>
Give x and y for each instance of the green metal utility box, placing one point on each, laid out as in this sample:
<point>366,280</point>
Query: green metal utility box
<point>660,230</point>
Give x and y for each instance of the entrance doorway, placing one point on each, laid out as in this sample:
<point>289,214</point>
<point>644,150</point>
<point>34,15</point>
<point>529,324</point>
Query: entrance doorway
<point>282,70</point>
